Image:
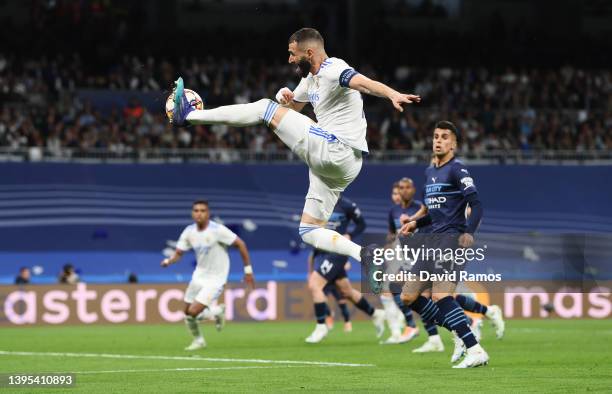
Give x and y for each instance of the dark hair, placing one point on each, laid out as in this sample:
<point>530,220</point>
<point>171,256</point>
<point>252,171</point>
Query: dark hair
<point>23,269</point>
<point>68,267</point>
<point>306,34</point>
<point>446,125</point>
<point>198,202</point>
<point>395,185</point>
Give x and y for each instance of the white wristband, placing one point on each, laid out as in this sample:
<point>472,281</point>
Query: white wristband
<point>248,269</point>
<point>279,95</point>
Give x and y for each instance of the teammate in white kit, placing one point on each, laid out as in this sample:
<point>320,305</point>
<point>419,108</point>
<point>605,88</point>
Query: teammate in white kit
<point>209,241</point>
<point>332,148</point>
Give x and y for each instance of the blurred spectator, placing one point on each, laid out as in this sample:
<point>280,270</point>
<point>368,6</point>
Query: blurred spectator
<point>528,108</point>
<point>24,276</point>
<point>68,275</point>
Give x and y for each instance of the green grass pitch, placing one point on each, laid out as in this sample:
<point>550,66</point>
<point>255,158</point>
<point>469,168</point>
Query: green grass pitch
<point>535,356</point>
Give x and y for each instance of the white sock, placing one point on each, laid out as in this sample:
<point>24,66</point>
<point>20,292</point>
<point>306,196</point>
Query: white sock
<point>193,327</point>
<point>475,349</point>
<point>329,241</point>
<point>239,115</point>
<point>391,315</point>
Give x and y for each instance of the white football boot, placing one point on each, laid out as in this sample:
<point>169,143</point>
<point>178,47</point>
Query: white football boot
<point>318,334</point>
<point>198,343</point>
<point>433,344</point>
<point>392,340</point>
<point>475,357</point>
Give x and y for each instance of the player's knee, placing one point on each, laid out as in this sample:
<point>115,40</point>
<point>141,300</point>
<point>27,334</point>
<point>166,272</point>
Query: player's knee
<point>408,298</point>
<point>314,284</point>
<point>307,234</point>
<point>264,102</point>
<point>345,291</point>
<point>194,310</point>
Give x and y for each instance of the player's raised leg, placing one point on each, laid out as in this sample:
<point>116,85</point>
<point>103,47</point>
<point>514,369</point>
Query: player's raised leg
<point>320,202</point>
<point>239,115</point>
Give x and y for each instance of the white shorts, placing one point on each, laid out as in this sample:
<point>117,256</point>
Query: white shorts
<point>333,164</point>
<point>204,290</point>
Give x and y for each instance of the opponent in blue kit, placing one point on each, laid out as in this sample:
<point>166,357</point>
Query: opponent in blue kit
<point>449,188</point>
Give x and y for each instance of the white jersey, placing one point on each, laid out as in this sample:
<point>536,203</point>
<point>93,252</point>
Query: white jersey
<point>210,247</point>
<point>339,109</point>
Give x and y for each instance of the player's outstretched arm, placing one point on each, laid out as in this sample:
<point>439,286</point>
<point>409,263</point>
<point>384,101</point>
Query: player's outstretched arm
<point>246,260</point>
<point>366,85</point>
<point>171,260</point>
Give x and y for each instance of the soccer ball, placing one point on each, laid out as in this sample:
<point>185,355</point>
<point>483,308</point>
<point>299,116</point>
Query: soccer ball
<point>194,100</point>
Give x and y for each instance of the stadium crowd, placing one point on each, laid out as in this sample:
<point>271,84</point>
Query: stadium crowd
<point>523,109</point>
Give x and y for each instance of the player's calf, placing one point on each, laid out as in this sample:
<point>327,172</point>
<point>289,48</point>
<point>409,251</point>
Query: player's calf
<point>328,240</point>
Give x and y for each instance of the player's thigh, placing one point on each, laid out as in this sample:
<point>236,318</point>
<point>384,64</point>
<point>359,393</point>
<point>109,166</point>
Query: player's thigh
<point>293,129</point>
<point>317,282</point>
<point>211,290</point>
<point>320,199</point>
<point>195,285</point>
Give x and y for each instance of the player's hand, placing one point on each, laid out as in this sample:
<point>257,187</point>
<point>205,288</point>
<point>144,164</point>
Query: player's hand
<point>397,99</point>
<point>408,228</point>
<point>284,96</point>
<point>250,281</point>
<point>404,218</point>
<point>165,263</point>
<point>347,236</point>
<point>466,240</point>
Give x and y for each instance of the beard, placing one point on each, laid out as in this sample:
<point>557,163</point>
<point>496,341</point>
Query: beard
<point>303,68</point>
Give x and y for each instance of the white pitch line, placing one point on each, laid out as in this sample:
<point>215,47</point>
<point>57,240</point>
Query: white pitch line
<point>185,358</point>
<point>172,370</point>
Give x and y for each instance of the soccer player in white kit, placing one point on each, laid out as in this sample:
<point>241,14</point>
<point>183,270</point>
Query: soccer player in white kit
<point>209,241</point>
<point>332,148</point>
